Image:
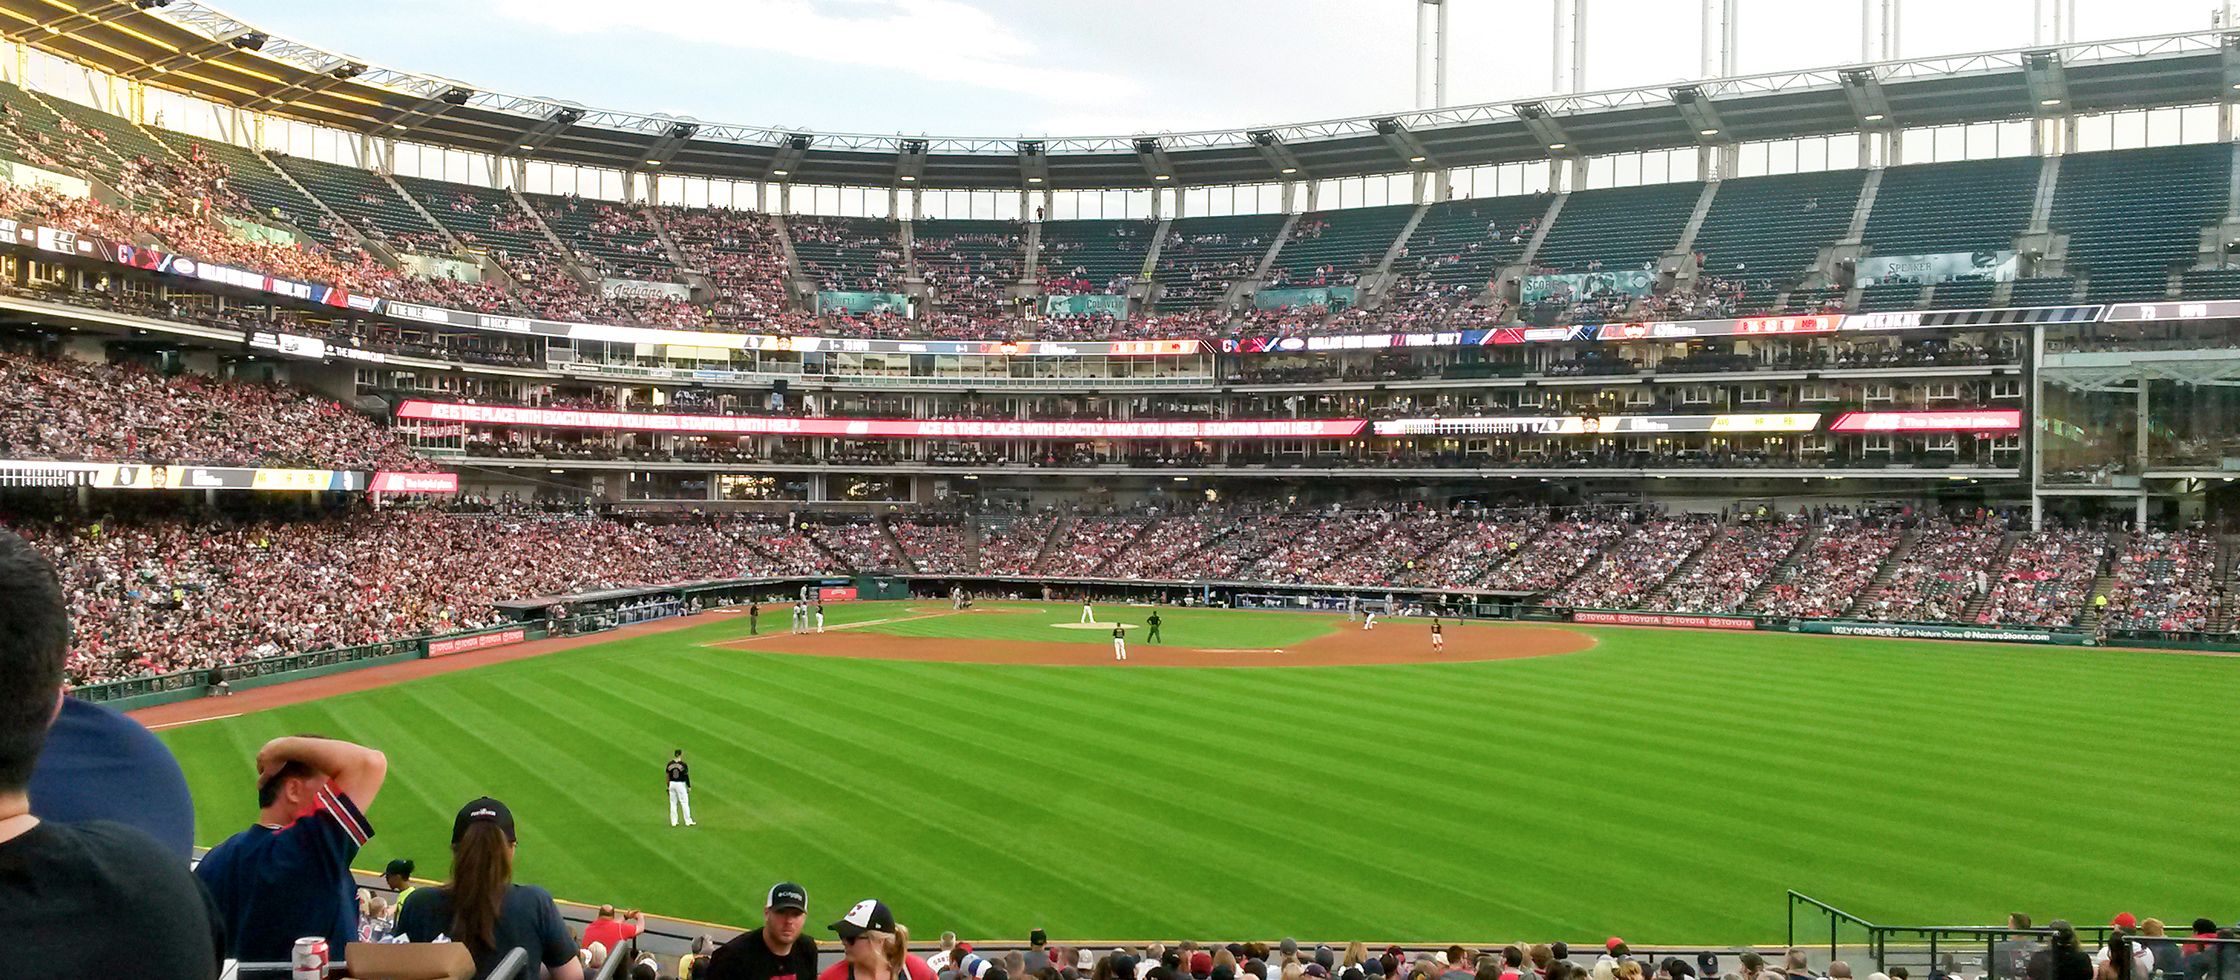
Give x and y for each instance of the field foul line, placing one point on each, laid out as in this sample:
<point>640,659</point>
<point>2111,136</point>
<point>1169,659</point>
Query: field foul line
<point>192,721</point>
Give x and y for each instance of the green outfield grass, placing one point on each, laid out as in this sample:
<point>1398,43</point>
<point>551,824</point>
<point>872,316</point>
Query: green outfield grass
<point>1664,786</point>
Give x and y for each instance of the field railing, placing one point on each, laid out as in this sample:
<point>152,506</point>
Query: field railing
<point>1997,952</point>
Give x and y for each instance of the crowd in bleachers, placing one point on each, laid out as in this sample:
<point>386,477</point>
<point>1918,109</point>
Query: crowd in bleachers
<point>67,409</point>
<point>2166,581</point>
<point>1942,575</point>
<point>1552,557</point>
<point>1723,580</point>
<point>1642,560</point>
<point>1843,557</point>
<point>2046,579</point>
<point>1011,546</point>
<point>859,545</point>
<point>934,547</point>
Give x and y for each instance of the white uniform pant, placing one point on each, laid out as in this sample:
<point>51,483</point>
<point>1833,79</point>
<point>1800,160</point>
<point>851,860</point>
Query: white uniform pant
<point>1119,649</point>
<point>1087,616</point>
<point>1370,623</point>
<point>820,622</point>
<point>680,797</point>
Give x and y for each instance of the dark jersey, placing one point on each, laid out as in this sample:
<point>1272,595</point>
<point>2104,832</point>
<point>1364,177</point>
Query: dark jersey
<point>678,772</point>
<point>1436,628</point>
<point>1119,634</point>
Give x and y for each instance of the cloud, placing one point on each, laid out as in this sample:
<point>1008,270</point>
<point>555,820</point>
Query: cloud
<point>946,41</point>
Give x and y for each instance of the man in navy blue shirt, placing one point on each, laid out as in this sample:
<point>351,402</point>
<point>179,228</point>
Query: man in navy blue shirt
<point>101,765</point>
<point>289,875</point>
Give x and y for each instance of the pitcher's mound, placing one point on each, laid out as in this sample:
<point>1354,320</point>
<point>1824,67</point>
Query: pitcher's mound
<point>1096,626</point>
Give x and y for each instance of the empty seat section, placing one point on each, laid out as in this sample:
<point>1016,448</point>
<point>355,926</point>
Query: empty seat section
<point>1202,256</point>
<point>2133,215</point>
<point>122,138</point>
<point>480,217</point>
<point>1620,228</point>
<point>32,133</point>
<point>1966,294</point>
<point>1459,246</point>
<point>1891,296</point>
<point>1764,233</point>
<point>1951,207</point>
<point>1093,256</point>
<point>2049,291</point>
<point>857,255</point>
<point>2213,283</point>
<point>257,181</point>
<point>1334,248</point>
<point>365,200</point>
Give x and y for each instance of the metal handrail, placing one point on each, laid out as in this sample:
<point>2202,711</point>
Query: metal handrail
<point>513,966</point>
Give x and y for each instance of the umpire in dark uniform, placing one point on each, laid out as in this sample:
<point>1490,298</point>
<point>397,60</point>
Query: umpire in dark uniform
<point>1153,622</point>
<point>754,617</point>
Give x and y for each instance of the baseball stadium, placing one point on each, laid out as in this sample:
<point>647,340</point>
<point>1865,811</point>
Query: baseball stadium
<point>1774,523</point>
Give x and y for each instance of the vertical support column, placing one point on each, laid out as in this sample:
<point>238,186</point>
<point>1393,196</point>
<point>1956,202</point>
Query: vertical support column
<point>2139,440</point>
<point>1707,63</point>
<point>1439,80</point>
<point>1730,46</point>
<point>2030,441</point>
<point>894,203</point>
<point>1559,67</point>
<point>1892,11</point>
<point>1578,45</point>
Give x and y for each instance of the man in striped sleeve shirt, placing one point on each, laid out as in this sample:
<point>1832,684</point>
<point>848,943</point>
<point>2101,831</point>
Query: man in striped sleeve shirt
<point>289,875</point>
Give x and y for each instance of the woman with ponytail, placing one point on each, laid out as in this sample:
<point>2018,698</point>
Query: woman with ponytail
<point>482,908</point>
<point>872,947</point>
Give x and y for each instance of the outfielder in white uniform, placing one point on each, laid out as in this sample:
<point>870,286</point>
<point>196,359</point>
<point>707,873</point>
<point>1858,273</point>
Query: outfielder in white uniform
<point>820,617</point>
<point>1088,615</point>
<point>1119,642</point>
<point>680,789</point>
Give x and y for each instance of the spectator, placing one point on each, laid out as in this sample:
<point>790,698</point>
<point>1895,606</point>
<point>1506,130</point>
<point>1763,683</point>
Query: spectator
<point>288,876</point>
<point>398,876</point>
<point>482,907</point>
<point>93,899</point>
<point>2060,959</point>
<point>872,947</point>
<point>101,765</point>
<point>774,951</point>
<point>613,927</point>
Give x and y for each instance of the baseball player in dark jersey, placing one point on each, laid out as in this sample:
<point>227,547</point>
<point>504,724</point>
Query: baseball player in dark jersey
<point>1119,642</point>
<point>1153,623</point>
<point>1438,634</point>
<point>680,789</point>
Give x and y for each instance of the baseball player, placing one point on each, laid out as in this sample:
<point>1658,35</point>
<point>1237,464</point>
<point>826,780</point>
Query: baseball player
<point>680,789</point>
<point>1153,622</point>
<point>800,616</point>
<point>820,617</point>
<point>1119,641</point>
<point>754,618</point>
<point>1369,621</point>
<point>1438,635</point>
<point>1088,615</point>
<point>1353,608</point>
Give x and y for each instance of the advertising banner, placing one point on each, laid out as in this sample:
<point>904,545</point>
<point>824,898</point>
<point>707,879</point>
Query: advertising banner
<point>388,482</point>
<point>836,301</point>
<point>1924,631</point>
<point>1677,620</point>
<point>836,593</point>
<point>26,175</point>
<point>415,410</point>
<point>484,641</point>
<point>1566,287</point>
<point>156,476</point>
<point>1997,266</point>
<point>440,266</point>
<point>644,289</point>
<point>1980,420</point>
<point>1574,425</point>
<point>1085,304</point>
<point>1333,297</point>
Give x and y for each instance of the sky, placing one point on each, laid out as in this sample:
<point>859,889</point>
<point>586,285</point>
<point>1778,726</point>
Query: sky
<point>1005,68</point>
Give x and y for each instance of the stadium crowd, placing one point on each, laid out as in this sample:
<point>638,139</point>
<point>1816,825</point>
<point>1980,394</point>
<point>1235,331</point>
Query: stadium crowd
<point>1728,574</point>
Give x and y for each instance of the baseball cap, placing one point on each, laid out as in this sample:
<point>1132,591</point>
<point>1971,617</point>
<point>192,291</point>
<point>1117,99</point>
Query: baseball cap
<point>786,896</point>
<point>867,916</point>
<point>1201,962</point>
<point>1290,945</point>
<point>1038,938</point>
<point>1396,952</point>
<point>1613,943</point>
<point>2125,920</point>
<point>399,866</point>
<point>1318,970</point>
<point>481,810</point>
<point>1560,950</point>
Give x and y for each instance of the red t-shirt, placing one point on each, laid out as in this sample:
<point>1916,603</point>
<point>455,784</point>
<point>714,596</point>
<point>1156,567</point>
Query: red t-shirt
<point>609,932</point>
<point>842,971</point>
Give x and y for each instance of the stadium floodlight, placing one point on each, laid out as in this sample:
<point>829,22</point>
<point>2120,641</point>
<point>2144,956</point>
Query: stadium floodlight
<point>910,161</point>
<point>1862,88</point>
<point>1272,149</point>
<point>1034,165</point>
<point>346,71</point>
<point>151,4</point>
<point>1696,109</point>
<point>2047,78</point>
<point>1403,143</point>
<point>791,151</point>
<point>1543,126</point>
<point>1152,155</point>
<point>251,41</point>
<point>457,95</point>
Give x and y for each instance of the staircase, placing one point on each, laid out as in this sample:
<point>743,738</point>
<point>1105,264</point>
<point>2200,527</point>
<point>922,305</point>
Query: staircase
<point>1974,611</point>
<point>972,545</point>
<point>567,255</point>
<point>1881,581</point>
<point>1687,241</point>
<point>793,261</point>
<point>886,527</point>
<point>1783,571</point>
<point>414,203</point>
<point>1158,242</point>
<point>347,228</point>
<point>1680,571</point>
<point>1058,530</point>
<point>1141,530</point>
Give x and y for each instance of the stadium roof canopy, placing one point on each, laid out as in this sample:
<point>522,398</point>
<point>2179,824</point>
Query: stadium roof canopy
<point>189,47</point>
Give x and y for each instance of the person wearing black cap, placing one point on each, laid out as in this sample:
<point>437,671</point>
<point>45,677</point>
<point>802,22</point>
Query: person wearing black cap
<point>1038,951</point>
<point>777,950</point>
<point>679,776</point>
<point>398,876</point>
<point>481,906</point>
<point>871,947</point>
